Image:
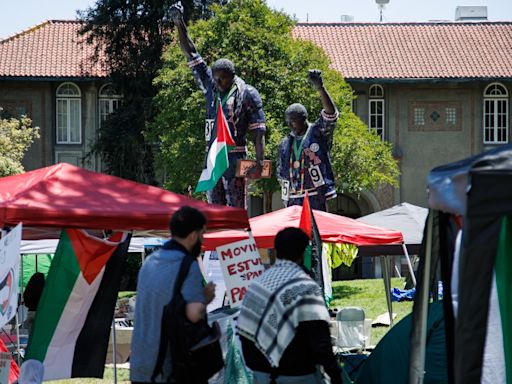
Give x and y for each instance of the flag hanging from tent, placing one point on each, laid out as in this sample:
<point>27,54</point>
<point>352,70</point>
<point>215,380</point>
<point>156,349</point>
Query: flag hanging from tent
<point>73,320</point>
<point>314,259</point>
<point>501,353</point>
<point>217,157</point>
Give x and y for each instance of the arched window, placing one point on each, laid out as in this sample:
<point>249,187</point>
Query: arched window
<point>495,114</point>
<point>69,114</point>
<point>376,109</point>
<point>108,99</point>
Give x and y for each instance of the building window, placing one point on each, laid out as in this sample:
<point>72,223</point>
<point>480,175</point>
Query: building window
<point>419,116</point>
<point>495,114</point>
<point>376,91</point>
<point>451,116</point>
<point>109,101</point>
<point>376,110</point>
<point>69,121</point>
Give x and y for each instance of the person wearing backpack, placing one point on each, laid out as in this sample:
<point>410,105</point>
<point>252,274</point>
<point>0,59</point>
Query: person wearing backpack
<point>155,290</point>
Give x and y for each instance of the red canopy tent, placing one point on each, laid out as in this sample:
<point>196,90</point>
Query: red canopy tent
<point>67,196</point>
<point>333,229</point>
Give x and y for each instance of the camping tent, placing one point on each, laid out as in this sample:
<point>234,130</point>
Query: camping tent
<point>38,254</point>
<point>67,196</point>
<point>137,245</point>
<point>333,229</point>
<point>388,361</point>
<point>480,189</point>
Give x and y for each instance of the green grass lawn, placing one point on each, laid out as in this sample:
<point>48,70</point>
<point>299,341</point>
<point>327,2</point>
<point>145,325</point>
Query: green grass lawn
<point>368,294</point>
<point>123,377</point>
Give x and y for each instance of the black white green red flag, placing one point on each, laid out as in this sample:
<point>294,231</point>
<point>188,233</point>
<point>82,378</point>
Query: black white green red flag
<point>73,320</point>
<point>503,278</point>
<point>217,158</point>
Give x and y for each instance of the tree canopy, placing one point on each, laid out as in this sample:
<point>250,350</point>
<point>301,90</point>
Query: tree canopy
<point>129,37</point>
<point>260,43</point>
<point>16,136</point>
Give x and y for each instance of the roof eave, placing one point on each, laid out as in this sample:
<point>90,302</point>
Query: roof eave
<point>53,78</point>
<point>372,80</point>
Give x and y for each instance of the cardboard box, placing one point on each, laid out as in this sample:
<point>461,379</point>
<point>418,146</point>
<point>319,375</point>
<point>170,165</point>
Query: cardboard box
<point>243,165</point>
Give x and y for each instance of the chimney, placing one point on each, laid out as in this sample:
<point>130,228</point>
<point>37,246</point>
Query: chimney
<point>346,18</point>
<point>471,13</point>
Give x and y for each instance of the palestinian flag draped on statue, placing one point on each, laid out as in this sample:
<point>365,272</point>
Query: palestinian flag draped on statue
<point>73,320</point>
<point>314,260</point>
<point>217,157</point>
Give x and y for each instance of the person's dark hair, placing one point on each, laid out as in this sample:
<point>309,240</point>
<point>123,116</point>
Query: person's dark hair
<point>296,110</point>
<point>224,65</point>
<point>290,244</point>
<point>185,221</point>
<point>33,291</point>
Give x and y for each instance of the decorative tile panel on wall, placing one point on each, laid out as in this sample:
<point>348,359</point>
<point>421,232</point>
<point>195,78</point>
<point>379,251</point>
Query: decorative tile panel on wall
<point>427,116</point>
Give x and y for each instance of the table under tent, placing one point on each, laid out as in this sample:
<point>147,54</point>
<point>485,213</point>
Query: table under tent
<point>473,194</point>
<point>63,196</point>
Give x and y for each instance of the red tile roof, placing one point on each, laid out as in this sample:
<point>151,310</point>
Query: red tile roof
<point>52,49</point>
<point>415,50</point>
<point>358,50</point>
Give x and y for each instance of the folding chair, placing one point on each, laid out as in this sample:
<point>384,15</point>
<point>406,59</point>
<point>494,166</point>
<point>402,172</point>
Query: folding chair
<point>351,332</point>
<point>351,337</point>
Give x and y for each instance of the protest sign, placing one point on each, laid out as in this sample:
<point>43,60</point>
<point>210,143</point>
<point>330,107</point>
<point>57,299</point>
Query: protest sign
<point>241,264</point>
<point>9,274</point>
<point>213,273</point>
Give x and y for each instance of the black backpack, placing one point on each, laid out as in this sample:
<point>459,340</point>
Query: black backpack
<point>195,349</point>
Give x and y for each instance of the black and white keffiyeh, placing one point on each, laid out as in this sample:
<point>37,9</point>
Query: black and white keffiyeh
<point>275,304</point>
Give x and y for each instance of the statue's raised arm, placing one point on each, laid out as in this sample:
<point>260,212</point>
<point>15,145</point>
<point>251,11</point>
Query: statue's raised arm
<point>186,44</point>
<point>315,77</point>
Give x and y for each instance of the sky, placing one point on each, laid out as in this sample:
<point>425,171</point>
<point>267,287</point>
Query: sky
<point>18,15</point>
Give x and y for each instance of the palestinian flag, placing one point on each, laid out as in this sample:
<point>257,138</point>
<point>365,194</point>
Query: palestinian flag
<point>73,320</point>
<point>217,157</point>
<point>313,257</point>
<point>497,359</point>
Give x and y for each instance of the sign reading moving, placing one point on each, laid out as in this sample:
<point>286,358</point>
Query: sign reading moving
<point>241,264</point>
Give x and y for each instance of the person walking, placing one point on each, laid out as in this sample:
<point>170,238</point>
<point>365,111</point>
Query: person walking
<point>155,286</point>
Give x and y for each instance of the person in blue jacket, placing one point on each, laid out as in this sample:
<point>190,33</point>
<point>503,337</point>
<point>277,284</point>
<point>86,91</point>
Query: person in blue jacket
<point>242,107</point>
<point>304,161</point>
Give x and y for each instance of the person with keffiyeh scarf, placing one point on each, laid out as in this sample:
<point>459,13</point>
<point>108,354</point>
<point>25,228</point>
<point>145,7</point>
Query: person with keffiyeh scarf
<point>284,322</point>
